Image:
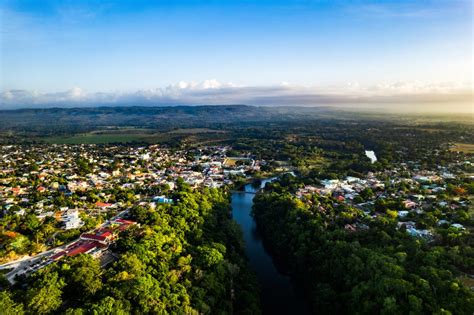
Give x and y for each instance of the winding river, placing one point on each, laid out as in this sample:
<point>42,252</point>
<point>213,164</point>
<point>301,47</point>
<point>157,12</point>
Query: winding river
<point>277,292</point>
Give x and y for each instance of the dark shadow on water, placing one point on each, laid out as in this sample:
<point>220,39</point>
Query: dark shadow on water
<point>256,235</point>
<point>277,291</point>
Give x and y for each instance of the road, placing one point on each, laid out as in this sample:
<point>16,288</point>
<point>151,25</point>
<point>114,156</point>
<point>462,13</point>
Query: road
<point>30,264</point>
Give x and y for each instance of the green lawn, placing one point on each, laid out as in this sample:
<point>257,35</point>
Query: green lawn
<point>463,147</point>
<point>196,130</point>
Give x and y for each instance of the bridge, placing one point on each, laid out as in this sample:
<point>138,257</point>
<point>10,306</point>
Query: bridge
<point>243,192</point>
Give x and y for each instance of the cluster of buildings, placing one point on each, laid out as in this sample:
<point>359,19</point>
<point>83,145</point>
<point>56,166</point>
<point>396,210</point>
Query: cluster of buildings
<point>31,178</point>
<point>96,242</point>
<point>409,193</point>
<point>71,183</point>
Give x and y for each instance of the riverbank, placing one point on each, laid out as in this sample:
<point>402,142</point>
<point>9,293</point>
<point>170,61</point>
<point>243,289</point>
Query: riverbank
<point>278,295</point>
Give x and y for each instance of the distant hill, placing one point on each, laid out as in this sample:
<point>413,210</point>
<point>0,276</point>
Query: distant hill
<point>57,120</point>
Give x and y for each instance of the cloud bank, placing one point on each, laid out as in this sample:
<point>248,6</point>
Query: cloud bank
<point>213,92</point>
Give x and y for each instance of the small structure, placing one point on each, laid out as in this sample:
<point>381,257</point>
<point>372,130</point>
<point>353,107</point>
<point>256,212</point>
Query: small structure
<point>458,226</point>
<point>402,214</point>
<point>72,220</point>
<point>162,199</point>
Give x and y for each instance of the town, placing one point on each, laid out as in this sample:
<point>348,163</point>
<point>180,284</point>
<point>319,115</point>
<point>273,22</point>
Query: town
<point>63,193</point>
<point>71,198</point>
<point>421,201</point>
<point>61,203</point>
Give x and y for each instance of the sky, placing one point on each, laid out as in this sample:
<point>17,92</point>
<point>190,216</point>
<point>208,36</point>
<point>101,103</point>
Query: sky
<point>317,52</point>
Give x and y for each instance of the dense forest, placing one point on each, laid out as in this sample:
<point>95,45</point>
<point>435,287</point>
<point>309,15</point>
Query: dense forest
<point>378,269</point>
<point>184,258</point>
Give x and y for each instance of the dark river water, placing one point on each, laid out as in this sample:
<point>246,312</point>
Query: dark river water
<point>277,292</point>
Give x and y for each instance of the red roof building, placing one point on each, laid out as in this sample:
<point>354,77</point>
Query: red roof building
<point>84,248</point>
<point>58,255</point>
<point>123,221</point>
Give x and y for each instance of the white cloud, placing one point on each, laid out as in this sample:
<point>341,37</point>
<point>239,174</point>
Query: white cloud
<point>75,93</point>
<point>214,92</point>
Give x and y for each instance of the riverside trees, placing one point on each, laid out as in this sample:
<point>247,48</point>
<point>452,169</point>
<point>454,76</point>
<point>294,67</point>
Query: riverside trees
<point>184,258</point>
<point>377,269</point>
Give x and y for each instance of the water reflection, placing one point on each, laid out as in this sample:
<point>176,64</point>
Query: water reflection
<point>278,294</point>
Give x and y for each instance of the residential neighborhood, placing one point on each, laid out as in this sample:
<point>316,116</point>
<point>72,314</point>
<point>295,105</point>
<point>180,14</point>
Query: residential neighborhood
<point>66,196</point>
<point>63,204</point>
<point>421,201</point>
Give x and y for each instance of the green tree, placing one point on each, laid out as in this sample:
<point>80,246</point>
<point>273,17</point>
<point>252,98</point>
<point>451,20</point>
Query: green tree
<point>45,294</point>
<point>84,276</point>
<point>8,306</point>
<point>109,306</point>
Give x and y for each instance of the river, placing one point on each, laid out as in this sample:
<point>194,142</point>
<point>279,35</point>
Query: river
<point>277,292</point>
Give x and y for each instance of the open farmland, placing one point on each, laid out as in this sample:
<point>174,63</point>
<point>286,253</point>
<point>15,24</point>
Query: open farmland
<point>463,147</point>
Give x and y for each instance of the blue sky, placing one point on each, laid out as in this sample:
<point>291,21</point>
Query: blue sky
<point>127,46</point>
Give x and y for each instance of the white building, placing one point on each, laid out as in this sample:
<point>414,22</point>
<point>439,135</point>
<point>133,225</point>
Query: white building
<point>72,220</point>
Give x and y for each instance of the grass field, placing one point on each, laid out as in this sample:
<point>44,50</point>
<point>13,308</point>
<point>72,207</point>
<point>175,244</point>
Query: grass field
<point>463,147</point>
<point>230,162</point>
<point>196,130</point>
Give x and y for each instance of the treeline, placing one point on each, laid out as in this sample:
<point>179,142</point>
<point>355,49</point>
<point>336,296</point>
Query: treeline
<point>185,258</point>
<point>335,148</point>
<point>374,270</point>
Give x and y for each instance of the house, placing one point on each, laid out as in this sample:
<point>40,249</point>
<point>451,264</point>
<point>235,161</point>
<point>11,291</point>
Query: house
<point>407,224</point>
<point>83,248</point>
<point>72,220</point>
<point>458,226</point>
<point>41,189</point>
<point>162,199</point>
<point>103,236</point>
<point>18,191</point>
<point>402,214</point>
<point>350,228</point>
<point>123,224</point>
<point>408,204</point>
<point>103,204</point>
<point>330,184</point>
<point>419,233</point>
